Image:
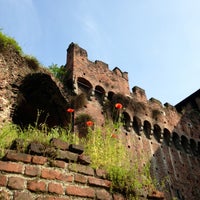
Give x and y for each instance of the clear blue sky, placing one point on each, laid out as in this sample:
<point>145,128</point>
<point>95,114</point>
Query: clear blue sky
<point>156,41</point>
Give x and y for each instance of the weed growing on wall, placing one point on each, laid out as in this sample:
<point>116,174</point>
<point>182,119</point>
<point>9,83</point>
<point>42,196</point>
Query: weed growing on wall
<point>8,134</point>
<point>11,132</point>
<point>6,41</point>
<point>107,151</point>
<point>32,62</point>
<point>104,145</point>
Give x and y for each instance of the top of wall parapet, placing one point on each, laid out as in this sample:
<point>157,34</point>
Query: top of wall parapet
<point>139,93</point>
<point>78,51</point>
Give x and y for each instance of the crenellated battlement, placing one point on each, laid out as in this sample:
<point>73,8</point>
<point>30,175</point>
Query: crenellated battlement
<point>92,74</point>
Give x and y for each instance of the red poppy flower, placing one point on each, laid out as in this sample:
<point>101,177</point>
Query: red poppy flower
<point>70,110</point>
<point>114,136</point>
<point>118,106</point>
<point>89,123</point>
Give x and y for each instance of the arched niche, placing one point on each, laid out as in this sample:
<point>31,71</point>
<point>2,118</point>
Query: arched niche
<point>99,94</point>
<point>147,129</point>
<point>137,124</point>
<point>39,99</point>
<point>84,86</point>
<point>176,140</point>
<point>110,95</point>
<point>193,147</point>
<point>126,120</point>
<point>157,132</point>
<point>184,143</point>
<point>166,136</point>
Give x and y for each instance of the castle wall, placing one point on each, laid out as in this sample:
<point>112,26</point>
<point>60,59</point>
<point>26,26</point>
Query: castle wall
<point>154,133</point>
<point>164,135</point>
<point>97,73</point>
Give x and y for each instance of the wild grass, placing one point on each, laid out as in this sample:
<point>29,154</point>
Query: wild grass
<point>6,41</point>
<point>107,151</point>
<point>104,146</point>
<point>11,132</point>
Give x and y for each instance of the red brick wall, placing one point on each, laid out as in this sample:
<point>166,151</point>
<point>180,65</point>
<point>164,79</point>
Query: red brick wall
<point>174,142</point>
<point>24,176</point>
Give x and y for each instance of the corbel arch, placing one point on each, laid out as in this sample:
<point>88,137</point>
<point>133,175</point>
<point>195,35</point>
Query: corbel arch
<point>99,93</point>
<point>84,86</point>
<point>147,129</point>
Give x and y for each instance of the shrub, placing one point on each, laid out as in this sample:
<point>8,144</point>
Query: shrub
<point>32,62</point>
<point>6,42</point>
<point>78,101</point>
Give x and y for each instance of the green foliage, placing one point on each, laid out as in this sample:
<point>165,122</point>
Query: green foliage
<point>105,147</point>
<point>8,133</point>
<point>32,62</point>
<point>83,118</point>
<point>58,72</point>
<point>11,132</point>
<point>78,101</point>
<point>80,121</point>
<point>6,42</point>
<point>107,151</point>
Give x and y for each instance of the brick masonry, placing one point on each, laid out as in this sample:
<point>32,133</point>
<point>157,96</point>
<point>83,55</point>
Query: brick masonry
<point>24,179</point>
<point>166,135</point>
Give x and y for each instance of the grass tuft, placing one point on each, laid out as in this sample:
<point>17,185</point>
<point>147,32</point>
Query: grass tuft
<point>6,42</point>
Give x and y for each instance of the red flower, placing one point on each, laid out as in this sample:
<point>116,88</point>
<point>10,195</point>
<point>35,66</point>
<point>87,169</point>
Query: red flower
<point>89,123</point>
<point>118,106</point>
<point>114,136</point>
<point>70,110</point>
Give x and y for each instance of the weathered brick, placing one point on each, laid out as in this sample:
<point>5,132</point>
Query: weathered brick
<point>3,180</point>
<point>36,186</point>
<point>80,178</point>
<point>67,156</point>
<point>56,188</point>
<point>82,192</point>
<point>49,197</point>
<point>36,148</point>
<point>18,195</point>
<point>81,169</point>
<point>76,148</point>
<point>156,195</point>
<point>83,159</point>
<point>17,183</point>
<point>40,160</point>
<point>58,163</point>
<point>103,195</point>
<point>56,175</point>
<point>4,195</point>
<point>32,170</point>
<point>13,156</point>
<point>59,144</point>
<point>101,173</point>
<point>99,182</point>
<point>11,167</point>
<point>118,197</point>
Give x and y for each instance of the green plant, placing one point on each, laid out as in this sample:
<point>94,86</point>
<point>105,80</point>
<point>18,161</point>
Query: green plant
<point>78,101</point>
<point>107,151</point>
<point>11,132</point>
<point>8,133</point>
<point>81,122</point>
<point>32,62</point>
<point>59,72</point>
<point>6,41</point>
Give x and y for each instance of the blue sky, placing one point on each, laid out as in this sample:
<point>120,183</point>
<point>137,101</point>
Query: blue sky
<point>156,41</point>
